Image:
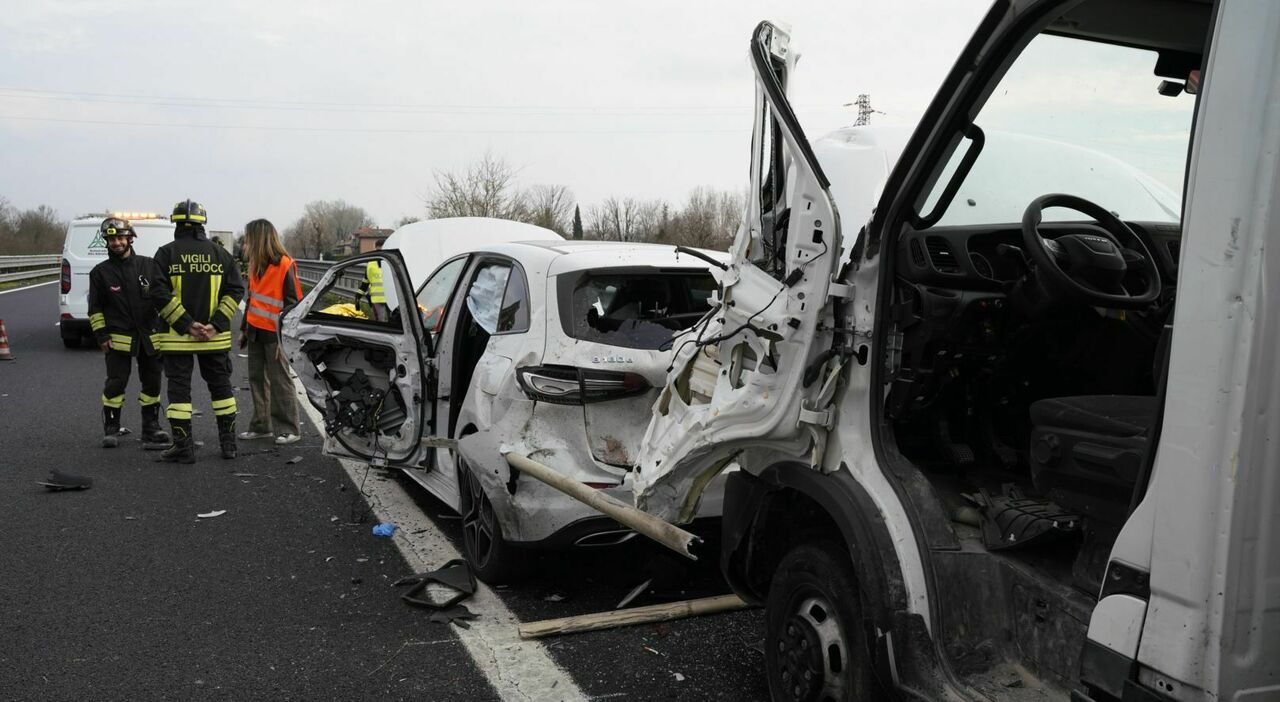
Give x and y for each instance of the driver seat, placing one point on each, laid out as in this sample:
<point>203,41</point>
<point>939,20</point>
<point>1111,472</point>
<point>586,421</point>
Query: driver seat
<point>1087,451</point>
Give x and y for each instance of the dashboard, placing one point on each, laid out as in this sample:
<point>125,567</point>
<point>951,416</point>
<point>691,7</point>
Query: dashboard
<point>986,258</point>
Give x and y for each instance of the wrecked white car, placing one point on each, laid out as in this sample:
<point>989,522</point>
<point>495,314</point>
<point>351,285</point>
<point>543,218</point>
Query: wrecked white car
<point>552,349</point>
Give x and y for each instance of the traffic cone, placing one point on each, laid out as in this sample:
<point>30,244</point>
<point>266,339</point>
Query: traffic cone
<point>5,353</point>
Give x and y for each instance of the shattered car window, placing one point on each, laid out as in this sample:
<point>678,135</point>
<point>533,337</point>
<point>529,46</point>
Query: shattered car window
<point>635,310</point>
<point>484,297</point>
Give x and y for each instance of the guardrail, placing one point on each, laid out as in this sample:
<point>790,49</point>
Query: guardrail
<point>310,272</point>
<point>26,267</point>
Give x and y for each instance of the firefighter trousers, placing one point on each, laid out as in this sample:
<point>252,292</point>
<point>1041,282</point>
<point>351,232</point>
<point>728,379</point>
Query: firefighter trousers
<point>215,368</point>
<point>119,366</point>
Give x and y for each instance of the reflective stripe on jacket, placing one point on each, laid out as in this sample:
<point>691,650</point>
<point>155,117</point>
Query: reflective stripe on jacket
<point>266,294</point>
<point>373,274</point>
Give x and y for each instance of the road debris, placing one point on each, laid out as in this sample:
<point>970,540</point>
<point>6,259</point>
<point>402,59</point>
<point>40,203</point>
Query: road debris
<point>59,481</point>
<point>295,459</point>
<point>628,617</point>
<point>679,677</point>
<point>555,597</point>
<point>442,591</point>
<point>211,515</point>
<point>384,529</point>
<point>635,592</point>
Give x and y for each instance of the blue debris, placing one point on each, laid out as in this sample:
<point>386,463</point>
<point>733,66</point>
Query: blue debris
<point>384,529</point>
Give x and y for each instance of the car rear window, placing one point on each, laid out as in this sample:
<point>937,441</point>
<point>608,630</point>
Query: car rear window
<point>637,309</point>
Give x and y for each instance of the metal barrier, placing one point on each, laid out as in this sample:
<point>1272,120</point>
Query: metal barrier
<point>21,265</point>
<point>310,273</point>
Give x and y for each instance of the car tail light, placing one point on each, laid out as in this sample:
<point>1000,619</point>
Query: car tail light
<point>569,385</point>
<point>66,276</point>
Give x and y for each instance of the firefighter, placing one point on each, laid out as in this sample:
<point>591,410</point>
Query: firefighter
<point>124,293</point>
<point>207,283</point>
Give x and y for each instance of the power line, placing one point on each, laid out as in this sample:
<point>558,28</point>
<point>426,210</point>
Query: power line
<point>369,107</point>
<point>372,130</point>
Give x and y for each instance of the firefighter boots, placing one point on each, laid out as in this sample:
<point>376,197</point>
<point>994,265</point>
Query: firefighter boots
<point>110,427</point>
<point>153,437</point>
<point>183,449</point>
<point>227,435</point>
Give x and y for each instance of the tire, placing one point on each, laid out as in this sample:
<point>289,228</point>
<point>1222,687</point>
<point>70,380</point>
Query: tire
<point>815,642</point>
<point>491,558</point>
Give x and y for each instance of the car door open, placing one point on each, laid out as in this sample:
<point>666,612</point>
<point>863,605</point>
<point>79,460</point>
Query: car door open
<point>759,371</point>
<point>356,342</point>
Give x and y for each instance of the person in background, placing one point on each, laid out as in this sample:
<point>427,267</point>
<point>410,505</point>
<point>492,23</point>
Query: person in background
<point>208,286</point>
<point>373,285</point>
<point>124,293</point>
<point>273,287</point>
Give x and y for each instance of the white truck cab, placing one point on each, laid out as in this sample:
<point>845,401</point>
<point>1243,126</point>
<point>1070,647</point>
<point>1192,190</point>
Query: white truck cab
<point>1008,434</point>
<point>82,249</point>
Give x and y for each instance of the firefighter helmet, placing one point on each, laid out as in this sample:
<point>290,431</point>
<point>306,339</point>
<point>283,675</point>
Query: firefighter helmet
<point>114,226</point>
<point>188,211</point>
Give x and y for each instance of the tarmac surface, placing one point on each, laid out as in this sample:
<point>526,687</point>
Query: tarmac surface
<point>122,592</point>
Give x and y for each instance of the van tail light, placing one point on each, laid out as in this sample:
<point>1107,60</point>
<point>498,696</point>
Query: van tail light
<point>66,276</point>
<point>569,385</point>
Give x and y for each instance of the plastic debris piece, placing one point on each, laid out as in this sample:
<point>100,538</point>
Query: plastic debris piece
<point>384,529</point>
<point>454,575</point>
<point>650,650</point>
<point>457,614</point>
<point>333,519</point>
<point>245,475</point>
<point>124,431</point>
<point>59,481</point>
<point>295,459</point>
<point>211,515</point>
<point>555,597</point>
<point>679,677</point>
<point>635,592</point>
<point>330,558</point>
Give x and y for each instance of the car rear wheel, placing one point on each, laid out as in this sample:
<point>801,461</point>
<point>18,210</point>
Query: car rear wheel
<point>491,558</point>
<point>815,644</point>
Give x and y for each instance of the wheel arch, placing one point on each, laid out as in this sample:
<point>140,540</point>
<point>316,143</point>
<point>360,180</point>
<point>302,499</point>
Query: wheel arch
<point>789,503</point>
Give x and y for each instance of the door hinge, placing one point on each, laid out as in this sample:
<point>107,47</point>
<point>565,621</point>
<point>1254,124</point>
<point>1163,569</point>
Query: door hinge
<point>439,442</point>
<point>820,418</point>
<point>839,290</point>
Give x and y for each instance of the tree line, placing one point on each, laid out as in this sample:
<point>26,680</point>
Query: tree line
<point>26,232</point>
<point>490,187</point>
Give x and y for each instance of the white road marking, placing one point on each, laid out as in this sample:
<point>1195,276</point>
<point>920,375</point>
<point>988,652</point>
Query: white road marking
<point>517,669</point>
<point>26,287</point>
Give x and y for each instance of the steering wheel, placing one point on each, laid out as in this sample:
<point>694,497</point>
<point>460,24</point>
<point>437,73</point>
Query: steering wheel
<point>1090,267</point>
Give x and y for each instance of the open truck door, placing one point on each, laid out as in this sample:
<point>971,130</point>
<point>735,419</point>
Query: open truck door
<point>356,342</point>
<point>759,370</point>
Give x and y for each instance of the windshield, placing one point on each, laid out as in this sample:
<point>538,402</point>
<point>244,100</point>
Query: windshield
<point>1076,117</point>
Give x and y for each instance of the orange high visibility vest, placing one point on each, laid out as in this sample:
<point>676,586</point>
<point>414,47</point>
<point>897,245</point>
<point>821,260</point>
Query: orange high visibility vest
<point>266,295</point>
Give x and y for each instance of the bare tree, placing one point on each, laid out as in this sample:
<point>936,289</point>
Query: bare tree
<point>322,225</point>
<point>709,219</point>
<point>486,189</point>
<point>626,219</point>
<point>407,219</point>
<point>35,231</point>
<point>549,207</point>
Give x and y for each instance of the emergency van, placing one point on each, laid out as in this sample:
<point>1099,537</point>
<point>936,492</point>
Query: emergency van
<point>83,249</point>
<point>1010,433</point>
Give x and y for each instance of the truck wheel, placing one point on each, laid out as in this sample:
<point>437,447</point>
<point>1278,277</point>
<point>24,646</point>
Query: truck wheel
<point>815,644</point>
<point>491,558</point>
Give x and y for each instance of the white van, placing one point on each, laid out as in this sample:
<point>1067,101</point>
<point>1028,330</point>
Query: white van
<point>83,249</point>
<point>1011,433</point>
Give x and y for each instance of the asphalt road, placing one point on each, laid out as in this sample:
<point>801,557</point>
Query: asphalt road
<point>121,592</point>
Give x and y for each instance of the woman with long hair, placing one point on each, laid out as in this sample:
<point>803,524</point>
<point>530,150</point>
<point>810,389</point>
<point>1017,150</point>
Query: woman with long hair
<point>273,287</point>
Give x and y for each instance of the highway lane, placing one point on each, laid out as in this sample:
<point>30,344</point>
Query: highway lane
<point>120,592</point>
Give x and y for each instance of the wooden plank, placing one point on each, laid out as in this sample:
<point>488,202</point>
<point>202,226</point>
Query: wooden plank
<point>628,617</point>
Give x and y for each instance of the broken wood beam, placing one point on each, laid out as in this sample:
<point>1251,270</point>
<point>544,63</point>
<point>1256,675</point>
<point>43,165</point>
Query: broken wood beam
<point>668,535</point>
<point>628,617</point>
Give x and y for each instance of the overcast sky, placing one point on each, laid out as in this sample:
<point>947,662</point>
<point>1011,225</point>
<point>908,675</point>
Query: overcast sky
<point>256,108</point>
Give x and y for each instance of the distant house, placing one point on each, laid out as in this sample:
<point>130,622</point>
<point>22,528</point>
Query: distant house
<point>362,240</point>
